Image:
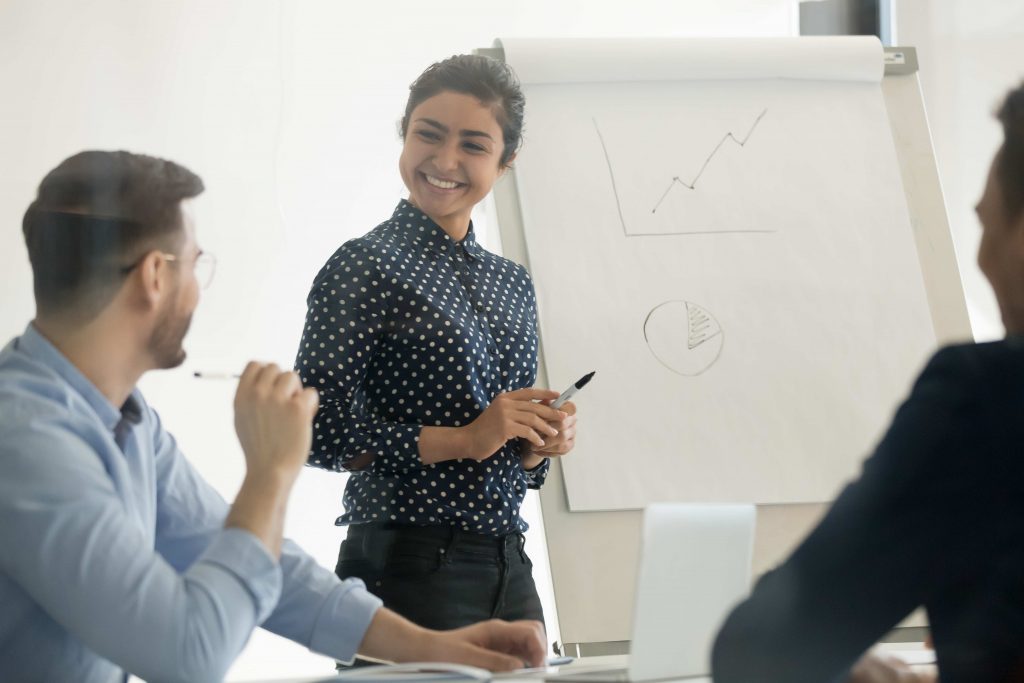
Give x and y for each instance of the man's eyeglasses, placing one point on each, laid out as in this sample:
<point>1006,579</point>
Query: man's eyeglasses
<point>205,266</point>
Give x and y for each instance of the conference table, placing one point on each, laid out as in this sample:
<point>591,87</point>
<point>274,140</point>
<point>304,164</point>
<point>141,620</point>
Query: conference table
<point>915,654</point>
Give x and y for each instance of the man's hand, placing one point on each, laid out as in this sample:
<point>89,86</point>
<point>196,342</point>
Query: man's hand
<point>274,420</point>
<point>879,668</point>
<point>494,645</point>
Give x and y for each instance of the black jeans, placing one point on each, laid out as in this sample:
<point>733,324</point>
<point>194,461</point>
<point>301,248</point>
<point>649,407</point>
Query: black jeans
<point>441,577</point>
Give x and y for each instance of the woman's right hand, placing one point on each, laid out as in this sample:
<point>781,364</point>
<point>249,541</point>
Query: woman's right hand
<point>513,414</point>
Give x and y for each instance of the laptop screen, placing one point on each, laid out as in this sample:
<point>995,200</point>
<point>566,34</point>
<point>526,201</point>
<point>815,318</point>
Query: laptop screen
<point>695,565</point>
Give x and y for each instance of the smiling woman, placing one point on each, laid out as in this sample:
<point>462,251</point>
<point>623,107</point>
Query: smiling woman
<point>448,161</point>
<point>462,127</point>
<point>423,347</point>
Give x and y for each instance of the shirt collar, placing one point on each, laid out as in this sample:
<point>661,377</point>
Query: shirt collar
<point>431,236</point>
<point>39,348</point>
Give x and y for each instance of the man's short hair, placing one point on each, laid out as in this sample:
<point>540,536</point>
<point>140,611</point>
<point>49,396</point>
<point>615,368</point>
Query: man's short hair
<point>1010,168</point>
<point>94,216</point>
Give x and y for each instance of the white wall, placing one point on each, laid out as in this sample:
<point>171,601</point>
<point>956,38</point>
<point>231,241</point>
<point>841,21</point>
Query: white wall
<point>289,112</point>
<point>971,52</point>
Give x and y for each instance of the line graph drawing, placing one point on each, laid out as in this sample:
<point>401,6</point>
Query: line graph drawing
<point>692,185</point>
<point>676,180</point>
<point>684,337</point>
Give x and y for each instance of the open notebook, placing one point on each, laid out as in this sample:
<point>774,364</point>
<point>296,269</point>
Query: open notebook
<point>428,672</point>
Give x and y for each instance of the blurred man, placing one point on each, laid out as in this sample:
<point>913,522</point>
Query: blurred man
<point>117,557</point>
<point>937,516</point>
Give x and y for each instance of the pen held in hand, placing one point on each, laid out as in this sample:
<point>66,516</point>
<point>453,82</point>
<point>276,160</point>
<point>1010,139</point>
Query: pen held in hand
<point>571,391</point>
<point>216,375</point>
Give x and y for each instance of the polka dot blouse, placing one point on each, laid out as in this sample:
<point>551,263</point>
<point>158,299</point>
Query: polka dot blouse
<point>406,327</point>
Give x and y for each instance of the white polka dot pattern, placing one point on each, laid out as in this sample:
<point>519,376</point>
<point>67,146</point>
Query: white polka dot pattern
<point>406,327</point>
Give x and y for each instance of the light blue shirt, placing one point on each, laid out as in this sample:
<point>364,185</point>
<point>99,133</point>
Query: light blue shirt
<point>113,554</point>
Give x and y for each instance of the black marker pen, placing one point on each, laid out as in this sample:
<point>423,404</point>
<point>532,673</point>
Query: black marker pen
<point>571,391</point>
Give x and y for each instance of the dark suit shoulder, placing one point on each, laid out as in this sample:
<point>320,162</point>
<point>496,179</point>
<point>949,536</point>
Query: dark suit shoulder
<point>961,421</point>
<point>973,371</point>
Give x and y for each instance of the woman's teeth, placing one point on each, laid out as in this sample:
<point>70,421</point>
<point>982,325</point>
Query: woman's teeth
<point>443,184</point>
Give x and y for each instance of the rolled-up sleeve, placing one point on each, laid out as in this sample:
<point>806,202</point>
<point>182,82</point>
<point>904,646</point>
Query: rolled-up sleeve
<point>319,610</point>
<point>315,609</point>
<point>536,477</point>
<point>85,559</point>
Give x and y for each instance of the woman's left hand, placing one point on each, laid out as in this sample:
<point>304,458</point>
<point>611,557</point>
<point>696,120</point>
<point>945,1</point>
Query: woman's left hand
<point>565,440</point>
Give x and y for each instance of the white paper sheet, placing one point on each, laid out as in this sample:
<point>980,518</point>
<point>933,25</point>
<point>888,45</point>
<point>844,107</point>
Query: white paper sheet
<point>735,260</point>
<point>631,60</point>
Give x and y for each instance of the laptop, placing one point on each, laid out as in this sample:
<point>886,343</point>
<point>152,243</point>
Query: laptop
<point>695,565</point>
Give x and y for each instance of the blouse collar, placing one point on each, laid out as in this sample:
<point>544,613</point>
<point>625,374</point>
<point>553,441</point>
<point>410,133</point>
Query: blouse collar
<point>431,236</point>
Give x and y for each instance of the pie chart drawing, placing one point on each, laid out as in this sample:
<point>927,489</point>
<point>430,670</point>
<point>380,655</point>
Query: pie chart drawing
<point>684,337</point>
